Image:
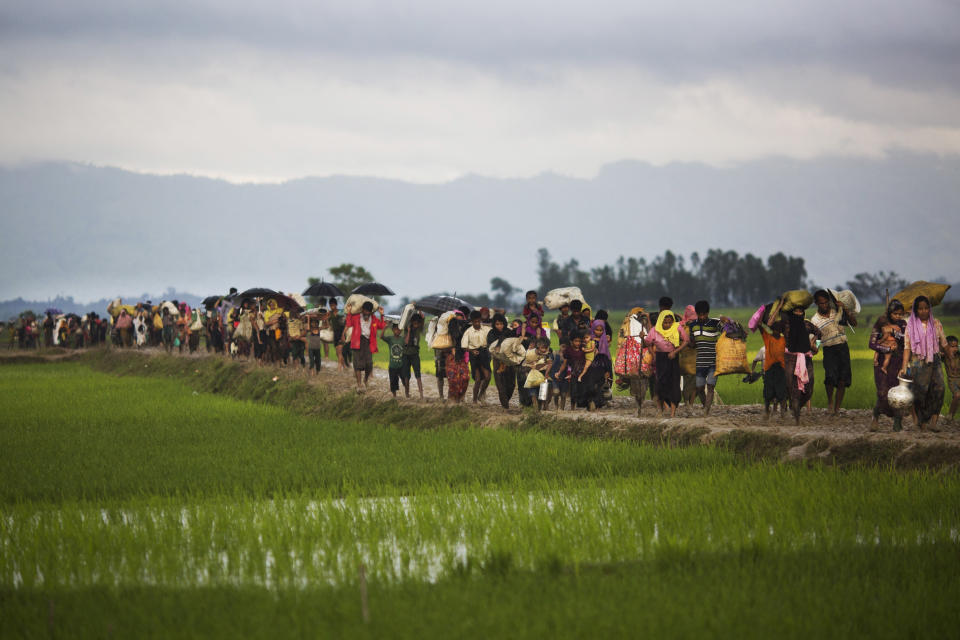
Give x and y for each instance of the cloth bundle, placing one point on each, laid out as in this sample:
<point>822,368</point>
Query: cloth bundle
<point>556,298</point>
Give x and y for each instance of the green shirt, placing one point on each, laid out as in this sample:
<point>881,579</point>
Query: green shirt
<point>396,349</point>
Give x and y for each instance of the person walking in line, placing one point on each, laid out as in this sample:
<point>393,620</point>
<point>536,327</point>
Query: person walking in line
<point>669,338</point>
<point>474,342</point>
<point>363,342</point>
<point>923,341</point>
<point>837,373</point>
<point>704,332</point>
<point>886,370</point>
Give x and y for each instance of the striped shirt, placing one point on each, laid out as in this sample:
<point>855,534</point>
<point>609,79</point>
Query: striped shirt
<point>704,337</point>
<point>831,331</point>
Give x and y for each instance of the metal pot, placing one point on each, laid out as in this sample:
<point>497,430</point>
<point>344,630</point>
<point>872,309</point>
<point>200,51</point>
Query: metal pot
<point>901,396</point>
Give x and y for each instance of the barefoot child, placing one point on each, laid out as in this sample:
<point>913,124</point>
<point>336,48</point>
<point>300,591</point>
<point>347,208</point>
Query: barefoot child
<point>391,335</point>
<point>951,360</point>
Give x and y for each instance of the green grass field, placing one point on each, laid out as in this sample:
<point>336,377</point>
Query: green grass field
<point>137,507</point>
<point>861,394</point>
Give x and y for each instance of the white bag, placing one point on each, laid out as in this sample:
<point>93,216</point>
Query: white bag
<point>431,330</point>
<point>556,298</point>
<point>406,315</point>
<point>443,321</point>
<point>355,303</point>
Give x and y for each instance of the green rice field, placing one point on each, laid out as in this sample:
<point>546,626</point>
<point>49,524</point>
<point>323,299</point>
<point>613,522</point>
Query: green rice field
<point>135,506</point>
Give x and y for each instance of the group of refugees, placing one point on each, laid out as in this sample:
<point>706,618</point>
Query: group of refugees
<point>668,356</point>
<point>56,329</point>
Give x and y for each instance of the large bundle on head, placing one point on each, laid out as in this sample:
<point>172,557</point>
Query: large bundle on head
<point>796,299</point>
<point>509,350</point>
<point>355,303</point>
<point>556,298</point>
<point>933,291</point>
<point>116,306</point>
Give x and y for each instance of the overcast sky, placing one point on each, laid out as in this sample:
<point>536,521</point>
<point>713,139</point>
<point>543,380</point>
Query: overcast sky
<point>428,91</point>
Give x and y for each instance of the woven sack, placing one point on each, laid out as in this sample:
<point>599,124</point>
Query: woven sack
<point>731,356</point>
<point>326,335</point>
<point>933,291</point>
<point>442,341</point>
<point>688,361</point>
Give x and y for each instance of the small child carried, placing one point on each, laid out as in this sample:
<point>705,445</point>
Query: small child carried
<point>889,340</point>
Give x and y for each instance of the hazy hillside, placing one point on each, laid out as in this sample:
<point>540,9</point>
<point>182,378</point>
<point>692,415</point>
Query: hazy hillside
<point>95,232</point>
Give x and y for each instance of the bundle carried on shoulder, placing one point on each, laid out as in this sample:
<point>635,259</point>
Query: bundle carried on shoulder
<point>933,291</point>
<point>509,351</point>
<point>406,315</point>
<point>441,336</point>
<point>431,332</point>
<point>355,302</point>
<point>851,305</point>
<point>556,298</point>
<point>732,350</point>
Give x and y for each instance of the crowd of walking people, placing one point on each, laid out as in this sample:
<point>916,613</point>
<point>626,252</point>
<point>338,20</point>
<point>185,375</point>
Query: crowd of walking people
<point>668,357</point>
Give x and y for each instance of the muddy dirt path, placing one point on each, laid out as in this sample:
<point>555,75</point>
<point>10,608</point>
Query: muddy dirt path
<point>850,425</point>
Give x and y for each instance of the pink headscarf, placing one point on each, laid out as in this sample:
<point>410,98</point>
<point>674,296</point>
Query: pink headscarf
<point>603,342</point>
<point>689,314</point>
<point>923,344</point>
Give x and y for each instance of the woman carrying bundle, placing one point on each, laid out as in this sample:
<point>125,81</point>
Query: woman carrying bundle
<point>669,338</point>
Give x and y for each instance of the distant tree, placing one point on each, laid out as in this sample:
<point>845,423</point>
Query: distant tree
<point>785,273</point>
<point>873,287</point>
<point>348,276</point>
<point>503,292</point>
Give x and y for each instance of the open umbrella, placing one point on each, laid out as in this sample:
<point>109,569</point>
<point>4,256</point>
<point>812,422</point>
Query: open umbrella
<point>211,301</point>
<point>257,292</point>
<point>440,304</point>
<point>323,289</point>
<point>374,289</point>
<point>285,302</point>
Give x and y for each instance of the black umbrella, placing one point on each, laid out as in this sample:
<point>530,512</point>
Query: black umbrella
<point>439,304</point>
<point>374,289</point>
<point>257,292</point>
<point>211,301</point>
<point>286,302</point>
<point>324,289</point>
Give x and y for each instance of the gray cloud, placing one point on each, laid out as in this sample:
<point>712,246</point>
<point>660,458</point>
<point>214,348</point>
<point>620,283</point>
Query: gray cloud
<point>912,44</point>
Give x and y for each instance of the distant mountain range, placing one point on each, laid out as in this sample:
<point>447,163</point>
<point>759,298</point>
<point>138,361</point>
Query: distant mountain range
<point>90,232</point>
